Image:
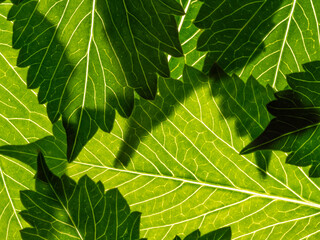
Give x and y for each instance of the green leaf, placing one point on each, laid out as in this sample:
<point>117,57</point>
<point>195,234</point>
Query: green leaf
<point>22,121</point>
<point>220,234</point>
<point>177,161</point>
<point>296,126</point>
<point>188,35</point>
<point>24,130</point>
<point>61,208</point>
<point>179,164</point>
<point>267,39</point>
<point>88,56</point>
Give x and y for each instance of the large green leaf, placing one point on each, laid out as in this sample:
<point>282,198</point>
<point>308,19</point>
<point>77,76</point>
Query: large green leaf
<point>177,161</point>
<point>296,126</point>
<point>88,56</point>
<point>267,39</point>
<point>60,208</point>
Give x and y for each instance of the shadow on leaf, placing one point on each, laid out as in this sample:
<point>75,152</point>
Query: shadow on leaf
<point>244,102</point>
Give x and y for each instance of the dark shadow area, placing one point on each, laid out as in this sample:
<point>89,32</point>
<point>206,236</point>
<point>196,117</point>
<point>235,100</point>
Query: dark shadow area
<point>86,86</point>
<point>246,102</point>
<point>147,115</point>
<point>233,31</point>
<point>295,126</point>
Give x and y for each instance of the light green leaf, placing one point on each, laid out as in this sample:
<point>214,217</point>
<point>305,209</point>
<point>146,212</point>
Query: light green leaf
<point>88,56</point>
<point>296,126</point>
<point>177,161</point>
<point>267,39</point>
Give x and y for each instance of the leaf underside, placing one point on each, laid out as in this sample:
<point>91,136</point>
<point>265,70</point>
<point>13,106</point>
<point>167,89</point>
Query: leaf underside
<point>176,159</point>
<point>89,56</point>
<point>295,127</point>
<point>266,39</point>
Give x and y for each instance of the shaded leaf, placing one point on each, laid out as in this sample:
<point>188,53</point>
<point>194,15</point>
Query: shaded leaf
<point>188,35</point>
<point>180,163</point>
<point>61,208</point>
<point>22,121</point>
<point>296,126</point>
<point>88,56</point>
<point>184,171</point>
<point>267,39</point>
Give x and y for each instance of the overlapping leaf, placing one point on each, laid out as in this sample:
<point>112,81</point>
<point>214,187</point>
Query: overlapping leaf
<point>61,208</point>
<point>179,163</point>
<point>22,121</point>
<point>188,35</point>
<point>88,56</point>
<point>267,39</point>
<point>296,126</point>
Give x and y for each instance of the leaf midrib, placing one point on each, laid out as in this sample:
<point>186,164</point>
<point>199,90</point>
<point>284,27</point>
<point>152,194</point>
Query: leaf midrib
<point>245,191</point>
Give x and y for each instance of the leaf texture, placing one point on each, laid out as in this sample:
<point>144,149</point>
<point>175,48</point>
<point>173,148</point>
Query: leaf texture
<point>89,56</point>
<point>178,162</point>
<point>22,121</point>
<point>220,234</point>
<point>61,208</point>
<point>267,39</point>
<point>296,126</point>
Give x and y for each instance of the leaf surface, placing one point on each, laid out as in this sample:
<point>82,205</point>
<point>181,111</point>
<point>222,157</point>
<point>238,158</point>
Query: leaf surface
<point>178,162</point>
<point>61,208</point>
<point>266,39</point>
<point>89,56</point>
<point>296,126</point>
<point>22,121</point>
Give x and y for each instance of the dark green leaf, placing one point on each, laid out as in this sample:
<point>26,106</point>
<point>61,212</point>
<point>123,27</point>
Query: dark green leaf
<point>263,38</point>
<point>296,126</point>
<point>63,209</point>
<point>88,56</point>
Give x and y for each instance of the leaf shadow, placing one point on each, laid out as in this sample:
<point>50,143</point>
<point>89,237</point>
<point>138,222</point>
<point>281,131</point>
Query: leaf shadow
<point>246,103</point>
<point>52,71</point>
<point>245,109</point>
<point>233,33</point>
